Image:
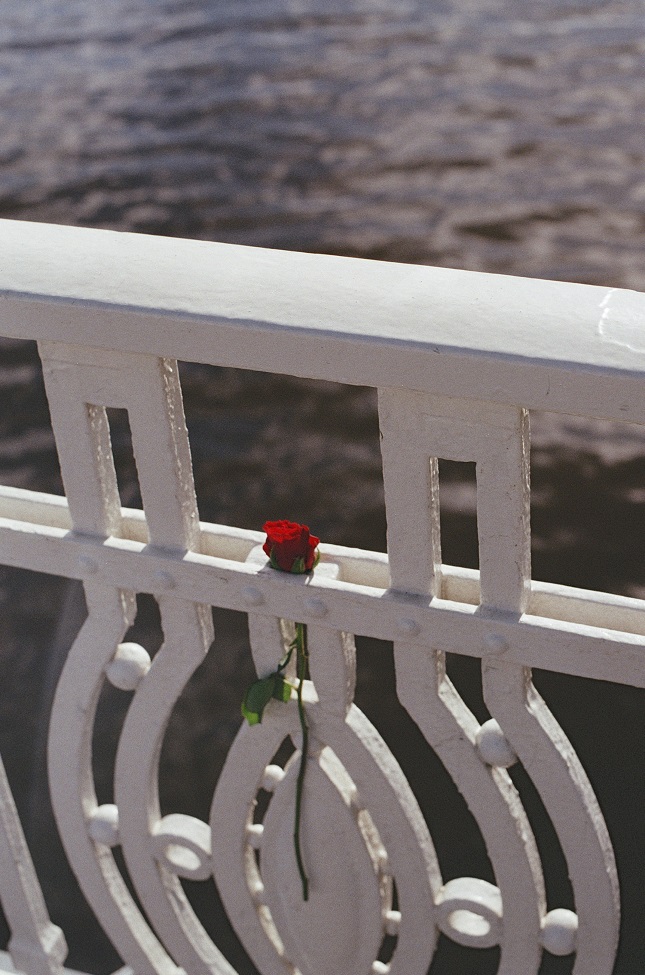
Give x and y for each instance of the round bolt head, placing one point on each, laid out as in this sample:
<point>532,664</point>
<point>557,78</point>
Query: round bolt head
<point>495,643</point>
<point>316,607</point>
<point>88,565</point>
<point>408,627</point>
<point>164,580</point>
<point>252,596</point>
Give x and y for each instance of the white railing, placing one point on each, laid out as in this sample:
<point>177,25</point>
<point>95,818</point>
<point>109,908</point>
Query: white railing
<point>459,360</point>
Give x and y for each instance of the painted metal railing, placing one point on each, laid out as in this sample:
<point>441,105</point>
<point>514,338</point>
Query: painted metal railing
<point>459,360</point>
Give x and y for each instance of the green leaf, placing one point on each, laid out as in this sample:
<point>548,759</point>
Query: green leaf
<point>282,689</point>
<point>298,565</point>
<point>251,716</point>
<point>257,697</point>
<point>260,693</point>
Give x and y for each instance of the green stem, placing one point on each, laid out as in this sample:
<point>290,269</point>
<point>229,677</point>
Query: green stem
<point>286,660</point>
<point>301,669</point>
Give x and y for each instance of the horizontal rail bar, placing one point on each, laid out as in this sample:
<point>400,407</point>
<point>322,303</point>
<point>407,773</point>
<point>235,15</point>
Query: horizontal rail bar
<point>542,344</point>
<point>554,601</point>
<point>595,651</point>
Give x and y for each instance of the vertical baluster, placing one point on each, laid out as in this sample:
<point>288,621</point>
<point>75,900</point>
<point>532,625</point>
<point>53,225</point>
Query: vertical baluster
<point>332,663</point>
<point>503,511</point>
<point>404,849</point>
<point>188,634</point>
<point>361,825</point>
<point>527,723</point>
<point>110,612</point>
<point>152,394</point>
<point>37,946</point>
<point>80,383</point>
<point>412,491</point>
<point>162,453</point>
<point>439,427</point>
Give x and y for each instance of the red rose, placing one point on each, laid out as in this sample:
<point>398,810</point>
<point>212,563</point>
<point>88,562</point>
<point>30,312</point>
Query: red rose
<point>290,547</point>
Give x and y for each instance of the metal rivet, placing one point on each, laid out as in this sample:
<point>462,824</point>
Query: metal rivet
<point>354,799</point>
<point>163,579</point>
<point>408,627</point>
<point>316,607</point>
<point>252,596</point>
<point>392,922</point>
<point>128,667</point>
<point>379,968</point>
<point>88,565</point>
<point>273,776</point>
<point>103,825</point>
<point>254,833</point>
<point>256,891</point>
<point>493,746</point>
<point>495,643</point>
<point>382,859</point>
<point>559,932</point>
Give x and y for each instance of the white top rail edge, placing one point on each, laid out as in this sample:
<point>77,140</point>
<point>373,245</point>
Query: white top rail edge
<point>548,345</point>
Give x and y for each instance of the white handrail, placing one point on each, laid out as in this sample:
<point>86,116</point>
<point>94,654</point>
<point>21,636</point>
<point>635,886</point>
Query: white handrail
<point>550,345</point>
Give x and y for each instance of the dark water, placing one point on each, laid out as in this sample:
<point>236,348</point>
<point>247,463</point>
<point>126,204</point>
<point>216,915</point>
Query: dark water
<point>493,136</point>
<point>503,137</point>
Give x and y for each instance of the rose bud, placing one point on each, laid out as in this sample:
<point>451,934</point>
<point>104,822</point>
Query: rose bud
<point>290,547</point>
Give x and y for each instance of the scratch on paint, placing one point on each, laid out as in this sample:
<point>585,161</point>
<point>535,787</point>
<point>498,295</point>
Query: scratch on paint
<point>620,322</point>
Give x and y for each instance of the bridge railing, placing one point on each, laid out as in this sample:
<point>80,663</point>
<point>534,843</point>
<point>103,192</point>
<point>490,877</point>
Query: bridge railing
<point>459,360</point>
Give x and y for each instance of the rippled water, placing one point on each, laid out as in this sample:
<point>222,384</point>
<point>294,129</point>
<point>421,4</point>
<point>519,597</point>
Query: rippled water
<point>495,136</point>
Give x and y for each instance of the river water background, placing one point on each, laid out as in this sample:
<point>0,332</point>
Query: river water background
<point>504,137</point>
